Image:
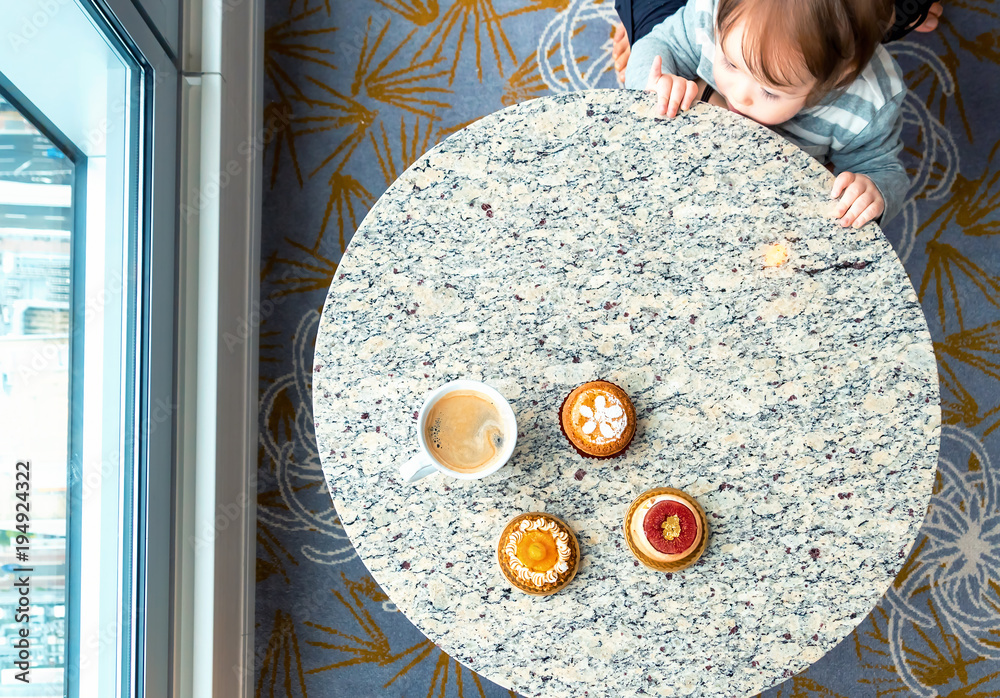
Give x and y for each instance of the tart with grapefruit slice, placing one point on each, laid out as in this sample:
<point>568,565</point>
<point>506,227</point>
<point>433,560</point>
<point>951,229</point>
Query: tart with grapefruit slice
<point>666,529</point>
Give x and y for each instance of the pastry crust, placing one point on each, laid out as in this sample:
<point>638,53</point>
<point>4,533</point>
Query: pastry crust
<point>525,579</point>
<point>598,419</point>
<point>644,550</point>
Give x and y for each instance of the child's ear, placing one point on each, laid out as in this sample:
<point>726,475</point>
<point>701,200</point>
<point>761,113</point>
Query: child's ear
<point>848,75</point>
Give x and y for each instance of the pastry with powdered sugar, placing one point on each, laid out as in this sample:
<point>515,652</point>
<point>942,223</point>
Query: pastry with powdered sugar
<point>598,419</point>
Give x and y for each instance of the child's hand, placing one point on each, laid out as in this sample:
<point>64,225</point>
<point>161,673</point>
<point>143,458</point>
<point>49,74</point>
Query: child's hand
<point>620,51</point>
<point>933,17</point>
<point>860,199</point>
<point>674,92</point>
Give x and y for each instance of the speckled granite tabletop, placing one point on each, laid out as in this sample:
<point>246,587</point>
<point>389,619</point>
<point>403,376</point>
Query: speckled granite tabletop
<point>576,237</point>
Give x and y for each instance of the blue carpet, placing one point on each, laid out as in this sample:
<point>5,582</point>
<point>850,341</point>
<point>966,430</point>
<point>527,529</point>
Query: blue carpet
<point>355,92</point>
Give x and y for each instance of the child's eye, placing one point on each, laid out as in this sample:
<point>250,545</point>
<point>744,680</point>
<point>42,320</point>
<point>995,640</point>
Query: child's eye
<point>729,66</point>
<point>768,95</point>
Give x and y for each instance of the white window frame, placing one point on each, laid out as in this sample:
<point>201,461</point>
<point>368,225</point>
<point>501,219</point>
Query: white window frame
<point>221,190</point>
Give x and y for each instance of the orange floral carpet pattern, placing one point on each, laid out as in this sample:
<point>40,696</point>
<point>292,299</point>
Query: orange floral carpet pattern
<point>356,92</point>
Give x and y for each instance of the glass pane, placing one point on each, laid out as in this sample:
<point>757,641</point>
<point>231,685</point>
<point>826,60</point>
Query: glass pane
<point>65,62</point>
<point>36,181</point>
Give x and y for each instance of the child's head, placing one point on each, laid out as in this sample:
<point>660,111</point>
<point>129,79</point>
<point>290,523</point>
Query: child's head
<point>775,57</point>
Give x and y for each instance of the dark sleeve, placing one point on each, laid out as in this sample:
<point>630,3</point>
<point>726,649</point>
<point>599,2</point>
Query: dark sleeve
<point>909,15</point>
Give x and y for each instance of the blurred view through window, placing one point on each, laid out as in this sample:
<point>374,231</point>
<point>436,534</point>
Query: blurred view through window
<point>36,218</point>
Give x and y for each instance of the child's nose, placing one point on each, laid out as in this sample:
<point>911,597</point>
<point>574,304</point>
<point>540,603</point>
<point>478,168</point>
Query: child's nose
<point>745,97</point>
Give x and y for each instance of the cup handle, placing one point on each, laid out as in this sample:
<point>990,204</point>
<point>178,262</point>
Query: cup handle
<point>419,466</point>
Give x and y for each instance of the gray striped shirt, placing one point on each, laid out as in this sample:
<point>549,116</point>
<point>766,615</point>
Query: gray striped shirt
<point>857,129</point>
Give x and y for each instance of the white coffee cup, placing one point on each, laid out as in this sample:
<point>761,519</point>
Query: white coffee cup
<point>424,463</point>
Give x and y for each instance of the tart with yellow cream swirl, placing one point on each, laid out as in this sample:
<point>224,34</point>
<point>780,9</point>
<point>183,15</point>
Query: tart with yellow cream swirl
<point>538,553</point>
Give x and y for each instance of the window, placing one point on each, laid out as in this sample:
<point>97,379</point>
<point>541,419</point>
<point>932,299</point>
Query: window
<point>36,221</point>
<point>36,183</point>
<point>157,428</point>
<point>81,315</point>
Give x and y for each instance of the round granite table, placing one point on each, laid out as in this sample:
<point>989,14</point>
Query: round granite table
<point>578,237</point>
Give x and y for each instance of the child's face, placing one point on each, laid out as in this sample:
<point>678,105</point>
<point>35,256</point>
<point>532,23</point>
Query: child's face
<point>745,95</point>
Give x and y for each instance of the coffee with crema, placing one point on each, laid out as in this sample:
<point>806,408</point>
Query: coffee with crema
<point>464,431</point>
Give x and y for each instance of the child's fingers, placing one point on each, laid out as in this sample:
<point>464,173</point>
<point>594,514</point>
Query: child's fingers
<point>841,183</point>
<point>663,106</point>
<point>620,33</point>
<point>863,201</point>
<point>654,73</point>
<point>848,198</point>
<point>662,95</point>
<point>619,46</point>
<point>676,96</point>
<point>690,92</point>
<point>868,215</point>
<point>662,91</point>
<point>933,16</point>
<point>622,59</point>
